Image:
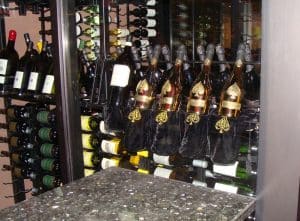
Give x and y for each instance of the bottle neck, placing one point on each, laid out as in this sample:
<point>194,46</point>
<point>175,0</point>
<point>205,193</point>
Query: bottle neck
<point>11,44</point>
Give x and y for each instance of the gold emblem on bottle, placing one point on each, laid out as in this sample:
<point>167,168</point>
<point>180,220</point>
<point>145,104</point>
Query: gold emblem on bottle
<point>222,125</point>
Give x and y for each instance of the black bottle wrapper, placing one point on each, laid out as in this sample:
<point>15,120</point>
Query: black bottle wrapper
<point>137,133</point>
<point>195,140</point>
<point>224,147</point>
<point>115,119</point>
<point>167,136</point>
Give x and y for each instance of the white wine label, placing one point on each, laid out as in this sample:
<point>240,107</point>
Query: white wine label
<point>151,13</point>
<point>226,188</point>
<point>151,23</point>
<point>103,130</point>
<point>110,146</point>
<point>48,84</point>
<point>78,30</point>
<point>85,123</point>
<point>199,183</point>
<point>87,159</point>
<point>161,159</point>
<point>3,66</point>
<point>228,170</point>
<point>2,79</point>
<point>151,3</point>
<point>33,81</point>
<point>200,163</point>
<point>144,42</point>
<point>77,17</point>
<point>152,33</point>
<point>120,75</point>
<point>86,141</point>
<point>96,34</point>
<point>162,172</point>
<point>106,163</point>
<point>18,79</point>
<point>123,33</point>
<point>88,172</point>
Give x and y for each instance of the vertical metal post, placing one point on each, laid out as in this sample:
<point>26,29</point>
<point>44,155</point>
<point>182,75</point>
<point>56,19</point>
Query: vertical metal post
<point>2,35</point>
<point>67,93</point>
<point>235,24</point>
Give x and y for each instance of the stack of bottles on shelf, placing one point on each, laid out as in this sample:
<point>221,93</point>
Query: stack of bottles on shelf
<point>31,76</point>
<point>209,113</point>
<point>33,148</point>
<point>88,44</point>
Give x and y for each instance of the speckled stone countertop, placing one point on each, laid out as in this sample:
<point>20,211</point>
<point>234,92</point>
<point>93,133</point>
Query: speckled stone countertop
<point>119,194</point>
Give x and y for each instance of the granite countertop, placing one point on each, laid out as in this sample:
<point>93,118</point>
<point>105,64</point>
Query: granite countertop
<point>120,194</point>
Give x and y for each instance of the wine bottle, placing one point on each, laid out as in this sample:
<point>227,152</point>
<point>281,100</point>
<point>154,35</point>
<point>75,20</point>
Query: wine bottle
<point>18,172</point>
<point>201,54</point>
<point>46,117</point>
<point>139,72</point>
<point>49,165</point>
<point>49,150</point>
<point>92,32</point>
<point>51,182</point>
<point>21,142</point>
<point>251,79</point>
<point>91,159</point>
<point>9,59</point>
<point>177,160</point>
<point>48,84</point>
<point>121,85</point>
<point>143,12</point>
<point>145,33</point>
<point>116,162</point>
<point>18,157</point>
<point>119,32</point>
<point>91,9</point>
<point>22,75</point>
<point>47,134</point>
<point>200,92</point>
<point>91,20</point>
<point>88,172</point>
<point>105,143</point>
<point>18,112</point>
<point>141,43</point>
<point>232,93</point>
<point>179,173</point>
<point>89,123</point>
<point>143,22</point>
<point>170,91</point>
<point>91,44</point>
<point>20,127</point>
<point>146,89</point>
<point>222,77</point>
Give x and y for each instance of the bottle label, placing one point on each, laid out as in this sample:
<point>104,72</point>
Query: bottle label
<point>2,79</point>
<point>18,80</point>
<point>134,160</point>
<point>106,163</point>
<point>152,33</point>
<point>110,146</point>
<point>143,153</point>
<point>151,3</point>
<point>86,138</point>
<point>151,23</point>
<point>162,159</point>
<point>78,30</point>
<point>15,158</point>
<point>77,17</point>
<point>103,130</point>
<point>88,159</point>
<point>143,171</point>
<point>44,133</point>
<point>48,181</point>
<point>48,84</point>
<point>33,81</point>
<point>47,164</point>
<point>11,112</point>
<point>120,75</point>
<point>46,149</point>
<point>200,163</point>
<point>17,172</point>
<point>226,188</point>
<point>199,183</point>
<point>12,127</point>
<point>151,12</point>
<point>42,117</point>
<point>85,123</point>
<point>162,172</point>
<point>14,141</point>
<point>88,172</point>
<point>228,170</point>
<point>3,66</point>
